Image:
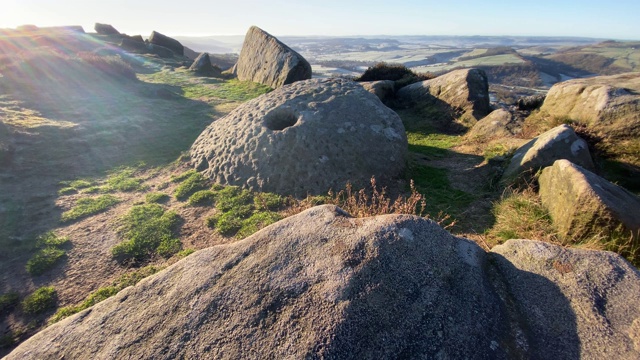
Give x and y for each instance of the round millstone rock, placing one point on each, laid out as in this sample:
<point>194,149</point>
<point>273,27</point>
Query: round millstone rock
<point>304,138</point>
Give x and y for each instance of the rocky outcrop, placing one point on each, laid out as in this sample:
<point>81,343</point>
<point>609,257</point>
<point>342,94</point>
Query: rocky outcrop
<point>466,91</point>
<point>608,104</point>
<point>161,51</point>
<point>304,138</point>
<point>582,204</point>
<point>574,304</point>
<point>134,45</point>
<point>162,40</point>
<point>266,60</point>
<point>499,123</point>
<point>321,284</point>
<point>560,142</point>
<point>105,29</point>
<point>202,66</point>
<point>383,89</point>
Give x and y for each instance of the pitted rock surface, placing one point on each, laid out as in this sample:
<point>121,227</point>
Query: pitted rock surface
<point>265,59</point>
<point>304,138</point>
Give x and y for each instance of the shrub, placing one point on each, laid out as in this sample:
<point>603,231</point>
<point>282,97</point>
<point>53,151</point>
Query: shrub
<point>89,206</point>
<point>148,229</point>
<point>156,197</point>
<point>8,301</point>
<point>194,182</point>
<point>39,301</point>
<point>400,74</point>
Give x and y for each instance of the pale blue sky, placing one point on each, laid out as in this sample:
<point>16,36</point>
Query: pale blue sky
<point>615,19</point>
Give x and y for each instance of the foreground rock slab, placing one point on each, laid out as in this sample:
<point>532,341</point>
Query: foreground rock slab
<point>307,137</point>
<point>323,285</point>
<point>265,59</point>
<point>583,204</point>
<point>465,91</point>
<point>316,285</point>
<point>558,143</point>
<point>576,304</point>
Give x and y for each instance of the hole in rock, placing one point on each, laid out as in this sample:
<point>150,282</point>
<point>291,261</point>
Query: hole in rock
<point>280,119</point>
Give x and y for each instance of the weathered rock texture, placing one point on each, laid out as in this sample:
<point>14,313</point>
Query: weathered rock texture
<point>162,40</point>
<point>466,91</point>
<point>266,60</point>
<point>499,123</point>
<point>574,304</point>
<point>610,104</point>
<point>323,285</point>
<point>202,66</point>
<point>558,143</point>
<point>583,204</point>
<point>383,89</point>
<point>304,138</point>
<point>105,29</point>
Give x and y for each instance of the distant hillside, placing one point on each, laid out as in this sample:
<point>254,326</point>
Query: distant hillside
<point>605,58</point>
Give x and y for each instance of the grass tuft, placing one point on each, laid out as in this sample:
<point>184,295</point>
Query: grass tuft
<point>39,301</point>
<point>89,206</point>
<point>8,301</point>
<point>202,198</point>
<point>48,255</point>
<point>194,182</point>
<point>148,229</point>
<point>156,198</point>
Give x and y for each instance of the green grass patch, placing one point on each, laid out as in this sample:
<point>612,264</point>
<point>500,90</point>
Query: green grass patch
<point>103,293</point>
<point>432,145</point>
<point>256,222</point>
<point>156,198</point>
<point>8,301</point>
<point>268,201</point>
<point>183,176</point>
<point>41,300</point>
<point>242,212</point>
<point>235,90</point>
<point>520,215</point>
<point>124,180</point>
<point>194,182</point>
<point>148,229</point>
<point>89,206</point>
<point>44,260</point>
<point>440,197</point>
<point>184,253</point>
<point>48,255</point>
<point>74,186</point>
<point>202,198</point>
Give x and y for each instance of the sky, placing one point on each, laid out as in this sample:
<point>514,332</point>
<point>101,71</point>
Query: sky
<point>613,19</point>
